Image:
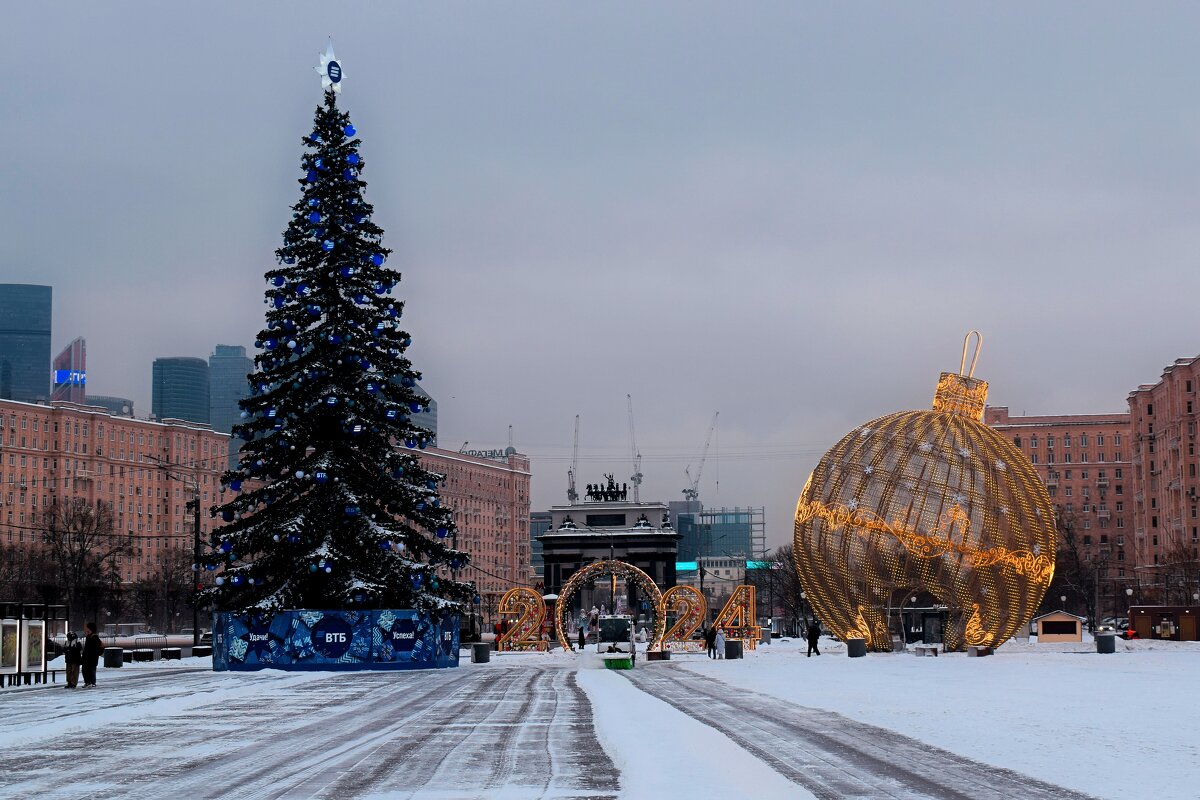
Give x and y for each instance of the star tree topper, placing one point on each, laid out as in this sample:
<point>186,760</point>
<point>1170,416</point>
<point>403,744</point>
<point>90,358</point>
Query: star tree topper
<point>330,69</point>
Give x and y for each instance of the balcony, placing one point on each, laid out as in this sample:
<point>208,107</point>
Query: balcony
<point>1102,482</point>
<point>1104,514</point>
<point>1051,483</point>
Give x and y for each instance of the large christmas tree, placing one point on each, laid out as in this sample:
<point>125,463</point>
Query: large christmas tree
<point>330,507</point>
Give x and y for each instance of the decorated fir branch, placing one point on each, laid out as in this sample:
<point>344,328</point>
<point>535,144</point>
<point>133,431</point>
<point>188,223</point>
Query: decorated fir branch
<point>330,507</point>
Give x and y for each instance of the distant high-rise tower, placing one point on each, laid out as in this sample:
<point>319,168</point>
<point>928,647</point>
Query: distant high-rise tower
<point>228,368</point>
<point>69,377</point>
<point>427,419</point>
<point>25,312</point>
<point>180,389</point>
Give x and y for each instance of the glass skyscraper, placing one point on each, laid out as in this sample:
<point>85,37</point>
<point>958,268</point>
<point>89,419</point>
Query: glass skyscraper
<point>228,367</point>
<point>180,389</point>
<point>25,342</point>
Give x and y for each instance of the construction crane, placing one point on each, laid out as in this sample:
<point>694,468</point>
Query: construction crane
<point>572,495</point>
<point>636,478</point>
<point>692,492</point>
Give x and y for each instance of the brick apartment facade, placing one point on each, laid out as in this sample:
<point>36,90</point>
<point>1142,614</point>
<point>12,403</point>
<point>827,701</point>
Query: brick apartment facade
<point>64,451</point>
<point>1085,462</point>
<point>1166,509</point>
<point>490,498</point>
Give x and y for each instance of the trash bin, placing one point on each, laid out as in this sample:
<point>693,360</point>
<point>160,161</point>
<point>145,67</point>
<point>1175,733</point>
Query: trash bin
<point>481,652</point>
<point>113,657</point>
<point>1106,643</point>
<point>856,648</point>
<point>733,648</point>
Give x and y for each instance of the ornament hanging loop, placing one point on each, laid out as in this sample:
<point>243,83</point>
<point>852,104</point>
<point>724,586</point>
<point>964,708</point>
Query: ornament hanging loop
<point>975,358</point>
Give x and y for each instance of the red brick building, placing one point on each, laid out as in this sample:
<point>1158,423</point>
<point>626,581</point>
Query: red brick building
<point>144,470</point>
<point>1084,460</point>
<point>1166,509</point>
<point>490,498</point>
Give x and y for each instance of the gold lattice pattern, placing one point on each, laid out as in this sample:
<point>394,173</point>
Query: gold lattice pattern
<point>619,568</point>
<point>926,501</point>
<point>690,609</point>
<point>525,633</point>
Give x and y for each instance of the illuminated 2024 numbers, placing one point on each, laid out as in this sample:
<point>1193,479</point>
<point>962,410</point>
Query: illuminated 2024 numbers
<point>737,617</point>
<point>525,632</point>
<point>690,610</point>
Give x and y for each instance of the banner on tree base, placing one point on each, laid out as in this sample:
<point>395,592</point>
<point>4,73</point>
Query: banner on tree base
<point>334,640</point>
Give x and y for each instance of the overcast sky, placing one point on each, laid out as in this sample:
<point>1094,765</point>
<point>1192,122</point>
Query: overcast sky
<point>790,213</point>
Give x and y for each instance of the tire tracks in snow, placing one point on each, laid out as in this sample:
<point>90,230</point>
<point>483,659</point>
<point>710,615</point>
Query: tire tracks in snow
<point>833,756</point>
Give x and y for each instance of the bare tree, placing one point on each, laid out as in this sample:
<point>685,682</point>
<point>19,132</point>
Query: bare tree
<point>781,585</point>
<point>1073,576</point>
<point>83,549</point>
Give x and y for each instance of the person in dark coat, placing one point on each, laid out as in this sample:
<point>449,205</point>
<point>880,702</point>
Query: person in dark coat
<point>73,656</point>
<point>814,636</point>
<point>710,641</point>
<point>582,638</point>
<point>92,648</point>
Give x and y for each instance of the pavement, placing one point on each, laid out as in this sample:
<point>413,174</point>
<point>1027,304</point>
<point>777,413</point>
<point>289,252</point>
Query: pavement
<point>514,728</point>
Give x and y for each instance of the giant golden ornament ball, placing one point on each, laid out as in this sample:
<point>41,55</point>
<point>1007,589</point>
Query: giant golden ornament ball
<point>926,501</point>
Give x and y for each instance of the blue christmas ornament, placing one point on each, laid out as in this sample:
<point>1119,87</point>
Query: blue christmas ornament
<point>236,484</point>
<point>326,245</point>
<point>219,581</point>
<point>377,259</point>
<point>318,164</point>
<point>352,511</point>
<point>236,579</point>
<point>348,174</point>
<point>314,137</point>
<point>313,310</point>
<point>331,400</point>
<point>410,443</point>
<point>392,312</point>
<point>280,302</point>
<point>441,534</point>
<point>372,387</point>
<point>358,219</point>
<point>271,344</point>
<point>302,289</point>
<point>391,413</point>
<point>417,579</point>
<point>311,177</point>
<point>422,444</point>
<point>381,288</point>
<point>289,260</point>
<point>278,280</point>
<point>312,567</point>
<point>315,216</point>
<point>420,505</point>
<point>227,515</point>
<point>385,544</point>
<point>346,271</point>
<point>360,298</point>
<point>476,599</point>
<point>352,158</point>
<point>349,130</point>
<point>320,476</point>
<point>414,406</point>
<point>226,546</point>
<point>334,338</point>
<point>398,472</point>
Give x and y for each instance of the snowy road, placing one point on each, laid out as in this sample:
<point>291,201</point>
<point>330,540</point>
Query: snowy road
<point>465,733</point>
<point>831,756</point>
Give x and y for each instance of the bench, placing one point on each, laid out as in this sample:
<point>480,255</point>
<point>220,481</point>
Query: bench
<point>977,650</point>
<point>171,653</point>
<point>925,649</point>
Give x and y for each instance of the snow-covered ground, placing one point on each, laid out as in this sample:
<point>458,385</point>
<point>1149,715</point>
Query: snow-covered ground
<point>1124,725</point>
<point>1114,726</point>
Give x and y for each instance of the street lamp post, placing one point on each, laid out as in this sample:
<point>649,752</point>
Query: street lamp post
<point>192,482</point>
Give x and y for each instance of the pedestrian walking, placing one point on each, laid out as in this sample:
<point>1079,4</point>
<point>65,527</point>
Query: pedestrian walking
<point>719,642</point>
<point>73,656</point>
<point>92,648</point>
<point>710,641</point>
<point>814,636</point>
